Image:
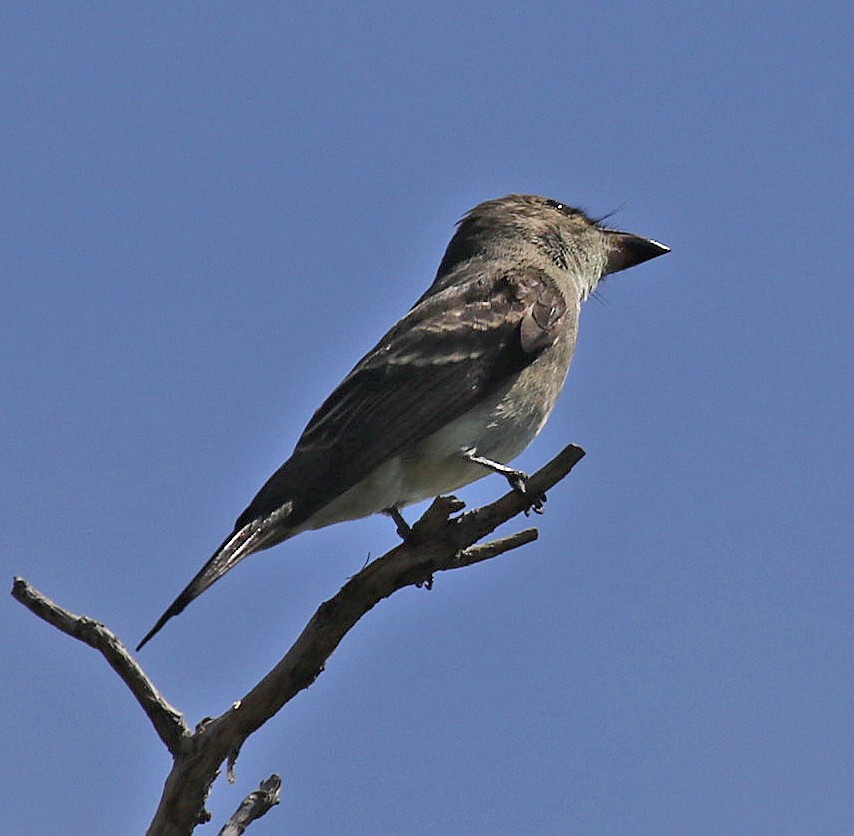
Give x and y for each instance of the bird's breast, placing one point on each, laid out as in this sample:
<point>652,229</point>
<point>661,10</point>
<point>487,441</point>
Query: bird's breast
<point>499,428</point>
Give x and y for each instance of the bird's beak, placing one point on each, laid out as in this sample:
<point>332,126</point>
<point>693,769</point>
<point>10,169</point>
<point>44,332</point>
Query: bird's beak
<point>627,250</point>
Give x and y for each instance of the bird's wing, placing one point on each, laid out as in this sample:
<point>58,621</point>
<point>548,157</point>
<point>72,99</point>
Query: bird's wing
<point>444,357</point>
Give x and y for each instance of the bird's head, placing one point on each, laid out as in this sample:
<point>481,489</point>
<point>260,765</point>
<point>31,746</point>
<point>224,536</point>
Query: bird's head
<point>541,230</point>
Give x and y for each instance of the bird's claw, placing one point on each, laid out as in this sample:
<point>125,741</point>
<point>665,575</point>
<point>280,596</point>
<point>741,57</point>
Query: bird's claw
<point>404,529</point>
<point>519,482</point>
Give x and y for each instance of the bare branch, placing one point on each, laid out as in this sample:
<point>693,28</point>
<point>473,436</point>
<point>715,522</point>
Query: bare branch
<point>439,542</point>
<point>484,551</point>
<point>167,720</point>
<point>255,805</point>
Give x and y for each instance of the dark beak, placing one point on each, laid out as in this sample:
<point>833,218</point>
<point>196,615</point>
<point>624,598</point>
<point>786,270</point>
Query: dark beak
<point>627,250</point>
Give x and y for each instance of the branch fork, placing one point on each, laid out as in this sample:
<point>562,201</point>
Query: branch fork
<point>439,542</point>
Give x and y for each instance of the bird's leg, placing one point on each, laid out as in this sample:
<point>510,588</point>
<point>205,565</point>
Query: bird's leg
<point>404,530</point>
<point>518,479</point>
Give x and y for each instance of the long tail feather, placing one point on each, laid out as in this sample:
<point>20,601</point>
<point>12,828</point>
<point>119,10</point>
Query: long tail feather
<point>242,542</point>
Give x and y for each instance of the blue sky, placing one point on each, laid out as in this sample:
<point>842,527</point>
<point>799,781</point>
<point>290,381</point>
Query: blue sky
<point>211,211</point>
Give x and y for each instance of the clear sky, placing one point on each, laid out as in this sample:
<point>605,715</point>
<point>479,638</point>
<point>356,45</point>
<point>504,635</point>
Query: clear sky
<point>210,211</point>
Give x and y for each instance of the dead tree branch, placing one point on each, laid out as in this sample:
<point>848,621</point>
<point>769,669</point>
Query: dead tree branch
<point>439,542</point>
<point>255,805</point>
<point>168,722</point>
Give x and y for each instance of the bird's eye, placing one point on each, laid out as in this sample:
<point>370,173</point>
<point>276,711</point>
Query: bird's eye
<point>556,205</point>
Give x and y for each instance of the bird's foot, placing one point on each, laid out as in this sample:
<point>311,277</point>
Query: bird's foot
<point>519,482</point>
<point>404,529</point>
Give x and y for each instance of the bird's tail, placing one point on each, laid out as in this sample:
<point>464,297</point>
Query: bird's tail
<point>242,542</point>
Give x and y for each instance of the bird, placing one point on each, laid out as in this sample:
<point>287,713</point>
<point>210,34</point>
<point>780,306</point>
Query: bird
<point>454,391</point>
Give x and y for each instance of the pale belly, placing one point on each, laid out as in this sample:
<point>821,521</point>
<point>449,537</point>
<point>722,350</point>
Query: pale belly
<point>499,429</point>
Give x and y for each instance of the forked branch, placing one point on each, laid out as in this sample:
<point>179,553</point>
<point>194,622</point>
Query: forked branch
<point>439,542</point>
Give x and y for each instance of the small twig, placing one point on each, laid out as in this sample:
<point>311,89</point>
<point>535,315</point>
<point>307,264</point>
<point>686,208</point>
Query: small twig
<point>167,720</point>
<point>255,805</point>
<point>484,551</point>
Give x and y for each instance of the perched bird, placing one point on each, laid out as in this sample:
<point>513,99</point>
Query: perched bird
<point>455,390</point>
